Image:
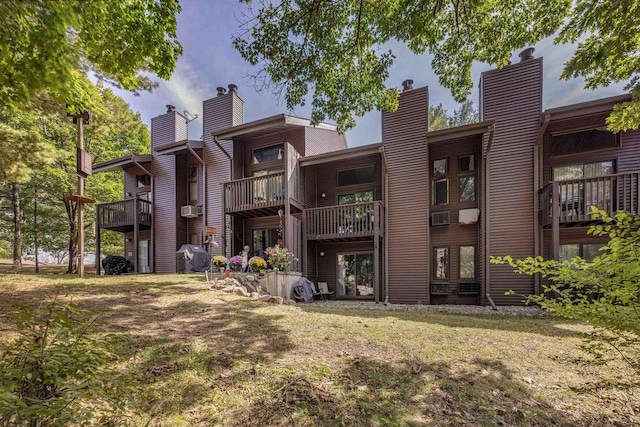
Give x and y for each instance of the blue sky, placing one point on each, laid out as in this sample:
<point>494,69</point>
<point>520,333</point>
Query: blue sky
<point>207,27</point>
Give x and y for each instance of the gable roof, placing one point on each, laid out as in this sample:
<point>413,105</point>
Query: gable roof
<point>266,126</point>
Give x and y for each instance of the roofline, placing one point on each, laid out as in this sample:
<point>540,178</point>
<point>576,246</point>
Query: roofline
<point>459,131</point>
<point>601,105</point>
<point>179,145</point>
<point>267,122</point>
<point>348,153</point>
<point>121,162</point>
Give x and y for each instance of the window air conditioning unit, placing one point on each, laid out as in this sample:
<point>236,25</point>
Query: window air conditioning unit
<point>190,211</point>
<point>439,218</point>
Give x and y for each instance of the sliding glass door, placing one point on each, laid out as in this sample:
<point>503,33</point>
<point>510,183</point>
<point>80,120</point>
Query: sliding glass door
<point>355,275</point>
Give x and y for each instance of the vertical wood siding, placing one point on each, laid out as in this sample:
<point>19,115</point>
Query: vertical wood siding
<point>218,113</point>
<point>512,97</point>
<point>320,141</point>
<point>405,145</point>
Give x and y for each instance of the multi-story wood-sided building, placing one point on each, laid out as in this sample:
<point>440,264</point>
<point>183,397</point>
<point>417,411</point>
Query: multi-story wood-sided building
<point>413,219</point>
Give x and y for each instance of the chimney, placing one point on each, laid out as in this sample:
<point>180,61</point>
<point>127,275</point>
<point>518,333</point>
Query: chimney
<point>407,85</point>
<point>527,54</point>
<point>221,90</point>
<point>232,88</point>
<point>170,108</point>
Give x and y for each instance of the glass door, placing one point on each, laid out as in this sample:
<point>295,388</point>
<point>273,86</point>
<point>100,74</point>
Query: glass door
<point>263,239</point>
<point>143,256</point>
<point>355,275</point>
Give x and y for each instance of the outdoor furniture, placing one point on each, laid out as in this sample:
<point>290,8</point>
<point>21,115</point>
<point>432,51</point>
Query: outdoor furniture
<point>323,290</point>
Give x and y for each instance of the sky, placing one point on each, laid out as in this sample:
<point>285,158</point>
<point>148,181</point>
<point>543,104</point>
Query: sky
<point>206,29</point>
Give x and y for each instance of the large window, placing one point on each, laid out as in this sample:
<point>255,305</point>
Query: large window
<point>363,175</point>
<point>355,275</point>
<point>580,142</point>
<point>441,263</point>
<point>467,188</point>
<point>263,239</point>
<point>467,262</point>
<point>356,197</point>
<point>583,170</point>
<point>193,184</point>
<point>441,191</point>
<point>268,154</point>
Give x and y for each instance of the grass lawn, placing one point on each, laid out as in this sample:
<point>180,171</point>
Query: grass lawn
<point>208,358</point>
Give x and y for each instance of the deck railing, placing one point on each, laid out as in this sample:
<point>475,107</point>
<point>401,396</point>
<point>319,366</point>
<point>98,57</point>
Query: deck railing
<point>573,198</point>
<point>254,193</point>
<point>122,213</point>
<point>345,221</point>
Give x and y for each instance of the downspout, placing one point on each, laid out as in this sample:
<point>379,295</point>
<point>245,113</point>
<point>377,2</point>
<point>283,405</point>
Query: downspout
<point>487,218</point>
<point>385,192</point>
<point>537,184</point>
<point>224,221</point>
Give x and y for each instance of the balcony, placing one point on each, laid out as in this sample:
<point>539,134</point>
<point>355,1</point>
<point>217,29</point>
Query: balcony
<point>571,200</point>
<point>358,221</point>
<point>122,215</point>
<point>256,196</point>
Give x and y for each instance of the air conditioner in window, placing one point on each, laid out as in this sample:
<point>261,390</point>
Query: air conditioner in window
<point>439,218</point>
<point>190,211</point>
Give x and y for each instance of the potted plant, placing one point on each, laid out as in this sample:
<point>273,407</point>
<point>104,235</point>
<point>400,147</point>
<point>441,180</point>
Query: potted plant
<point>236,263</point>
<point>257,263</point>
<point>280,258</point>
<point>220,261</point>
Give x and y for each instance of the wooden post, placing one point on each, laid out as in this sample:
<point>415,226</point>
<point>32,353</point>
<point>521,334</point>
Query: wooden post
<point>555,219</point>
<point>98,212</point>
<point>80,266</point>
<point>376,252</point>
<point>305,267</point>
<point>136,235</point>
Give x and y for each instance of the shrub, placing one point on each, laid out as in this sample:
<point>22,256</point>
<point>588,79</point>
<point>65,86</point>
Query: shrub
<point>604,293</point>
<point>220,261</point>
<point>280,258</point>
<point>257,263</point>
<point>57,372</point>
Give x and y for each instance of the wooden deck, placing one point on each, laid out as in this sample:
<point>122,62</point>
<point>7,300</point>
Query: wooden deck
<point>358,221</point>
<point>120,215</point>
<point>568,203</point>
<point>257,196</point>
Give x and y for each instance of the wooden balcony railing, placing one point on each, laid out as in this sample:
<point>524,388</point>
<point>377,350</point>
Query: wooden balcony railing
<point>121,215</point>
<point>345,221</point>
<point>573,198</point>
<point>257,192</point>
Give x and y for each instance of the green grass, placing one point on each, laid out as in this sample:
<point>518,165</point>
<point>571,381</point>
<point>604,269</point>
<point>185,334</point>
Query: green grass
<point>206,358</point>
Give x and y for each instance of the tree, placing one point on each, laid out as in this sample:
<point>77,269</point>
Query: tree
<point>603,293</point>
<point>337,49</point>
<point>48,46</point>
<point>439,118</point>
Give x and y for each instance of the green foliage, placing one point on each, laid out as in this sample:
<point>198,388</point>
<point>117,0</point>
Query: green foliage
<point>59,371</point>
<point>604,293</point>
<point>48,46</point>
<point>338,50</point>
<point>439,118</point>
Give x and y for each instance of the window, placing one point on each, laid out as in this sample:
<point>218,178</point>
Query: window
<point>441,263</point>
<point>268,154</point>
<point>441,192</point>
<point>356,176</point>
<point>355,275</point>
<point>357,197</point>
<point>143,180</point>
<point>467,262</point>
<point>467,163</point>
<point>580,142</point>
<point>439,168</point>
<point>583,170</point>
<point>193,192</point>
<point>467,188</point>
<point>586,251</point>
<point>263,239</point>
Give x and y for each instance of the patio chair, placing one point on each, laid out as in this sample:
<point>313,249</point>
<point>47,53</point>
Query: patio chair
<point>323,290</point>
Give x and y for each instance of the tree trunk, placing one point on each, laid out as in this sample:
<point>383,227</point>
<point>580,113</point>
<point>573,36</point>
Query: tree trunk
<point>17,230</point>
<point>73,237</point>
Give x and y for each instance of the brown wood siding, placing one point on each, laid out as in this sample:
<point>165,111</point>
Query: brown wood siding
<point>218,113</point>
<point>320,141</point>
<point>326,180</point>
<point>512,97</point>
<point>182,195</point>
<point>455,235</point>
<point>129,246</point>
<point>405,145</point>
<point>327,270</point>
<point>310,176</point>
<point>627,156</point>
<point>312,259</point>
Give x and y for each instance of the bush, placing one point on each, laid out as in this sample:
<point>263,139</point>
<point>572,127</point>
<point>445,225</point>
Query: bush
<point>57,372</point>
<point>220,261</point>
<point>604,293</point>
